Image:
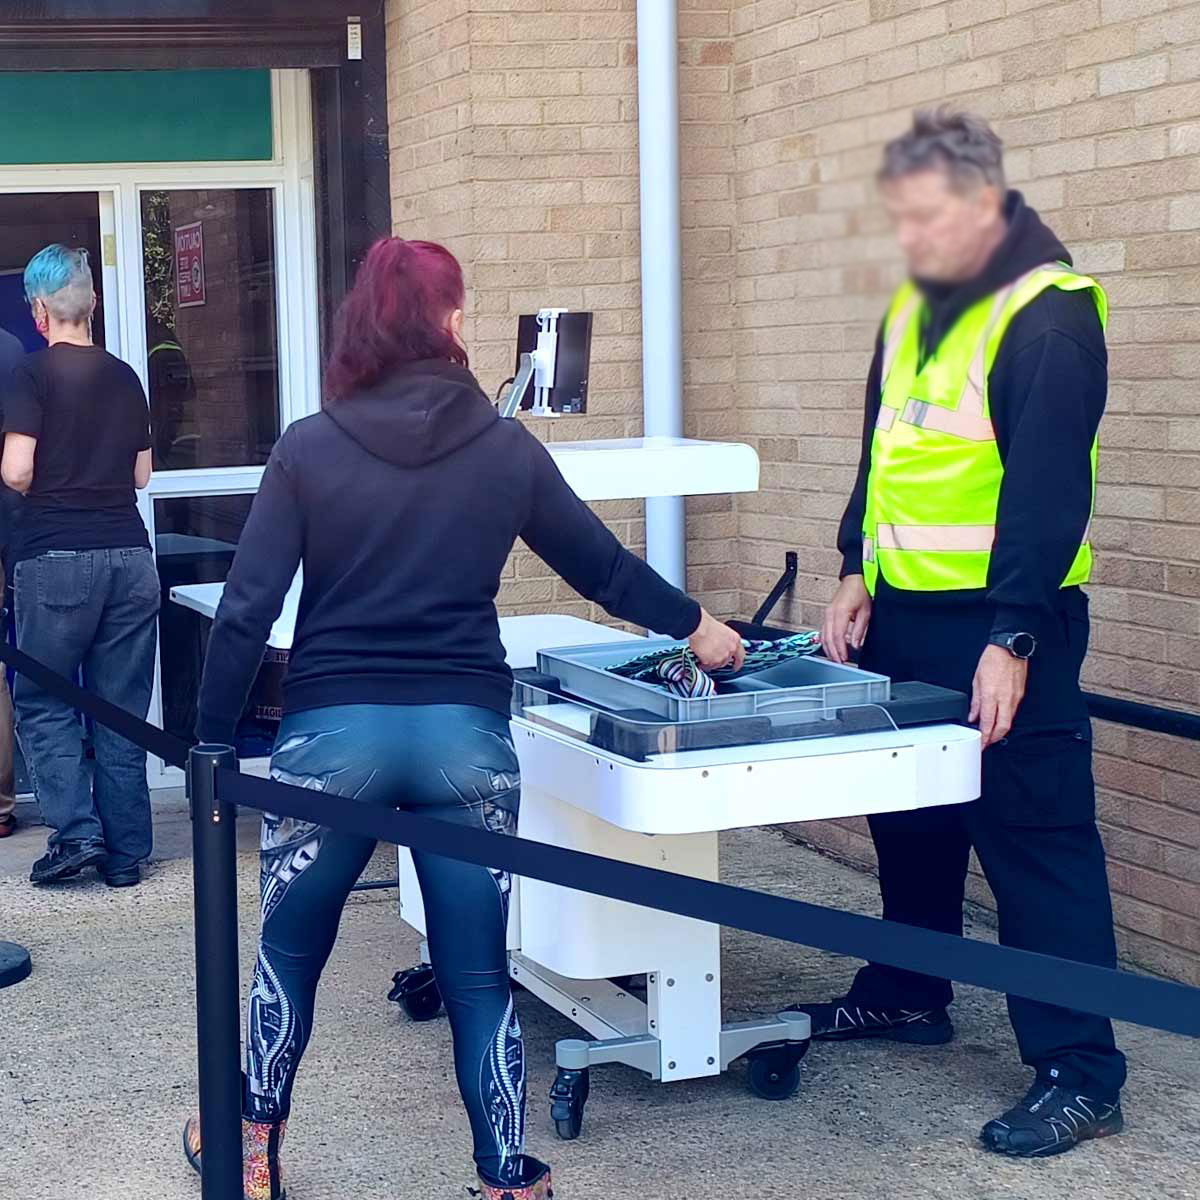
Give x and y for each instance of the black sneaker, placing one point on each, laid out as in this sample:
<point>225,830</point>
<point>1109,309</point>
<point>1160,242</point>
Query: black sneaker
<point>1051,1120</point>
<point>65,860</point>
<point>841,1021</point>
<point>124,877</point>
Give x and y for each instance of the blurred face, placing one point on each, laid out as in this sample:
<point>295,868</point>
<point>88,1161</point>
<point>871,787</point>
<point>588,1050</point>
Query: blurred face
<point>946,235</point>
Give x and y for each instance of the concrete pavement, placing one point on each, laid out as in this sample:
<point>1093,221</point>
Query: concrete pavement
<point>97,1070</point>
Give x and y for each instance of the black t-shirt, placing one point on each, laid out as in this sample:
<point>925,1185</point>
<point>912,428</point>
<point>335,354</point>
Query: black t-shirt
<point>89,414</point>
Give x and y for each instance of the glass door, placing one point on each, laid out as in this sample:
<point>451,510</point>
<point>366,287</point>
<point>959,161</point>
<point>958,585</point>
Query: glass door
<point>210,286</point>
<point>32,220</point>
<point>207,279</point>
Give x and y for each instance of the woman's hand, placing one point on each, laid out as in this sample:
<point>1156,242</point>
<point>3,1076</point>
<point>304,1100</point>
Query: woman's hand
<point>716,645</point>
<point>846,619</point>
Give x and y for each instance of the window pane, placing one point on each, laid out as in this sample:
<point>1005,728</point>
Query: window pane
<point>211,326</point>
<point>29,223</point>
<point>195,539</point>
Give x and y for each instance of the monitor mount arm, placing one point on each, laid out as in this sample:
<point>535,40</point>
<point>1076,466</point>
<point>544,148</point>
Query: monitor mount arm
<point>538,368</point>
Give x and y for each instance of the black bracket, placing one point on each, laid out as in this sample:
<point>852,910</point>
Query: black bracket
<point>791,569</point>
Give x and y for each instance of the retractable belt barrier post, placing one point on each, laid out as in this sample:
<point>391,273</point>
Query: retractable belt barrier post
<point>218,997</point>
<point>1122,995</point>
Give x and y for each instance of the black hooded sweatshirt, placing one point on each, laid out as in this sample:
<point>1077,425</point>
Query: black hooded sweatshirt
<point>1046,394</point>
<point>403,503</point>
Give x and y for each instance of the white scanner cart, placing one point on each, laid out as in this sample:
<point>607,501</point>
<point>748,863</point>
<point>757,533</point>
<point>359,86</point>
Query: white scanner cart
<point>641,794</point>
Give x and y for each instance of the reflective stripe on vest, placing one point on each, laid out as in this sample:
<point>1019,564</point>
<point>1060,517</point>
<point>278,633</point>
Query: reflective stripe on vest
<point>936,473</point>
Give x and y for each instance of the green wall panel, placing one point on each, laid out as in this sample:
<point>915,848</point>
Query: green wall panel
<point>135,116</point>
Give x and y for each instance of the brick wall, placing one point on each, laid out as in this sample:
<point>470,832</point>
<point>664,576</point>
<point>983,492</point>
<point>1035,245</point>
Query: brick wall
<point>1099,104</point>
<point>514,140</point>
<point>788,263</point>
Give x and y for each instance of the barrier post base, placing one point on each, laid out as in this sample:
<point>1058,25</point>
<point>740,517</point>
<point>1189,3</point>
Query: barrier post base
<point>15,964</point>
<point>218,996</point>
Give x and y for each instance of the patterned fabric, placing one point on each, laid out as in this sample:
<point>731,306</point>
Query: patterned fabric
<point>675,669</point>
<point>682,676</point>
<point>262,1173</point>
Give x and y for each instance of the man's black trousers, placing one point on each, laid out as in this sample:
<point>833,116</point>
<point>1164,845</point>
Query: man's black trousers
<point>1033,829</point>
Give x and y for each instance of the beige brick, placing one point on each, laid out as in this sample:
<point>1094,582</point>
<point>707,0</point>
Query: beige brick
<point>972,76</point>
<point>853,14</point>
<point>1168,104</point>
<point>1126,10</point>
<point>961,14</point>
<point>1099,116</point>
<point>1139,145</point>
<point>871,39</point>
<point>1102,45</point>
<point>998,36</point>
<point>1064,157</point>
<point>944,51</point>
<point>1134,74</point>
<point>1033,62</point>
<point>888,64</point>
<point>1185,213</point>
<point>1185,64</point>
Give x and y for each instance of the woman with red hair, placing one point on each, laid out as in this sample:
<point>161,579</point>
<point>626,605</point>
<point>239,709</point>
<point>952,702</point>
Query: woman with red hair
<point>403,500</point>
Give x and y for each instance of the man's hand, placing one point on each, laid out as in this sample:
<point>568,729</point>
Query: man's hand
<point>716,645</point>
<point>997,693</point>
<point>846,619</point>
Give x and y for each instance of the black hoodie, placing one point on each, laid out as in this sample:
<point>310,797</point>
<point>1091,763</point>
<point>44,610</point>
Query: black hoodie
<point>1046,395</point>
<point>403,504</point>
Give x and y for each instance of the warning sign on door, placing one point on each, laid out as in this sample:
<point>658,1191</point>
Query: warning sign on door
<point>189,265</point>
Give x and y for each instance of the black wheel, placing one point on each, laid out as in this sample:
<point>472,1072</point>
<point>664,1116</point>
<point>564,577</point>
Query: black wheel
<point>775,1075</point>
<point>416,991</point>
<point>568,1095</point>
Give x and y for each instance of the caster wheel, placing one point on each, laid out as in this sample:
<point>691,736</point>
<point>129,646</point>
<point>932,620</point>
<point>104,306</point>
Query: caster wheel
<point>416,991</point>
<point>775,1074</point>
<point>568,1095</point>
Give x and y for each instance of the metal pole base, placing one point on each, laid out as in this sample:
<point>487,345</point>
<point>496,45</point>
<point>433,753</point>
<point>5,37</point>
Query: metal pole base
<point>15,964</point>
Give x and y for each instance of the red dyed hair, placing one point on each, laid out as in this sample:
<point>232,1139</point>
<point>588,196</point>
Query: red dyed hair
<point>396,313</point>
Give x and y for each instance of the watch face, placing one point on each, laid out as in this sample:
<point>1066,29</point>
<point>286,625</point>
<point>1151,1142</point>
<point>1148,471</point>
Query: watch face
<point>1023,645</point>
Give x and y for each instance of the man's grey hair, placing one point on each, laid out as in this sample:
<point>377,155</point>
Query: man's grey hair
<point>965,147</point>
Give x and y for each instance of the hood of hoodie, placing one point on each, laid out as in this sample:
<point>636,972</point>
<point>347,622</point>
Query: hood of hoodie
<point>1028,243</point>
<point>418,414</point>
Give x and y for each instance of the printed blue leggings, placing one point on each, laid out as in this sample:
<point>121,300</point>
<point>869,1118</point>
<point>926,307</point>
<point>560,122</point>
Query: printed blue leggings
<point>453,762</point>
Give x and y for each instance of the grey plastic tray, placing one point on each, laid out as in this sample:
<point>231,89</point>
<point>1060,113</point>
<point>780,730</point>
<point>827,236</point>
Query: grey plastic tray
<point>814,686</point>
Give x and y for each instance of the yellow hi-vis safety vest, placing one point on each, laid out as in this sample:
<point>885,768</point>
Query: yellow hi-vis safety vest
<point>934,483</point>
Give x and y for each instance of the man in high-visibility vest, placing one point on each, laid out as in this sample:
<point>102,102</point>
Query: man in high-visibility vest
<point>965,543</point>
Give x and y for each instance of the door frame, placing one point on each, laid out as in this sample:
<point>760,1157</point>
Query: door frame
<point>290,175</point>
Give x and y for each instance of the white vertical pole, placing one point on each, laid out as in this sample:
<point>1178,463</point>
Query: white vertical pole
<point>662,266</point>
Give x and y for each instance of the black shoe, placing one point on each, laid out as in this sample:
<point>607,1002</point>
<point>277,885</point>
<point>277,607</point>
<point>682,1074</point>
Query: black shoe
<point>841,1021</point>
<point>65,860</point>
<point>124,878</point>
<point>1051,1120</point>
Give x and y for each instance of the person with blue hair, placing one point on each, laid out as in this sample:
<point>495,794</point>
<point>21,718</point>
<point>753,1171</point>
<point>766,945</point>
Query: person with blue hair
<point>77,445</point>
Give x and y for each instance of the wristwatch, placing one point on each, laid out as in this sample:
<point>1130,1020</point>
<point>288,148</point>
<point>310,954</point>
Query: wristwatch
<point>1019,645</point>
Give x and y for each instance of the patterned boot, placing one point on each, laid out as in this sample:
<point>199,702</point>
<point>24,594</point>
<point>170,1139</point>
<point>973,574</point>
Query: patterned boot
<point>535,1186</point>
<point>262,1173</point>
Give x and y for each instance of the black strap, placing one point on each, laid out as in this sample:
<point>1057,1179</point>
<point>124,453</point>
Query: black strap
<point>164,745</point>
<point>1156,1003</point>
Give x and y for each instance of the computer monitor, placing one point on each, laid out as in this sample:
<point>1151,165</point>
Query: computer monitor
<point>559,344</point>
